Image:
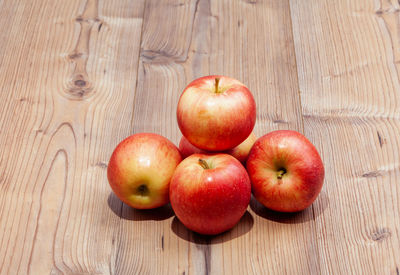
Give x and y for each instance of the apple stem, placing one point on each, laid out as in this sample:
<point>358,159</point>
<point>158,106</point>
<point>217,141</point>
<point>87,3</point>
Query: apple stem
<point>281,173</point>
<point>216,85</point>
<point>204,164</point>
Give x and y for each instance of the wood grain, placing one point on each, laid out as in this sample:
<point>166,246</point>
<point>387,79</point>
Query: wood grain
<point>201,38</point>
<point>78,76</point>
<point>347,57</point>
<point>265,61</point>
<point>67,96</point>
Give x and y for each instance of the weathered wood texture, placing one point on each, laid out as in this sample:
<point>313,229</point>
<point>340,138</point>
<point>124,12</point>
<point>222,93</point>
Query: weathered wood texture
<point>347,56</point>
<point>76,77</point>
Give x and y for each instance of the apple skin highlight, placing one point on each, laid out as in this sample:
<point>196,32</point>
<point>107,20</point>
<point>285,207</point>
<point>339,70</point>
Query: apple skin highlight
<point>140,170</point>
<point>286,171</point>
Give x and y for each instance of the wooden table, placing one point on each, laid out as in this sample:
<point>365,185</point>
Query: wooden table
<point>77,77</point>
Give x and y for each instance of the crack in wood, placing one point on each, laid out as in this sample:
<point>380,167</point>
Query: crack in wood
<point>207,258</point>
<point>203,243</point>
<point>372,174</point>
<point>390,10</point>
<point>380,234</point>
<point>102,164</point>
<point>381,140</point>
<point>280,121</point>
<point>160,57</point>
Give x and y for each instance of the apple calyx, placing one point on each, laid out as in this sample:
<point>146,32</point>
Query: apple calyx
<point>142,190</point>
<point>281,172</point>
<point>216,85</point>
<point>204,164</point>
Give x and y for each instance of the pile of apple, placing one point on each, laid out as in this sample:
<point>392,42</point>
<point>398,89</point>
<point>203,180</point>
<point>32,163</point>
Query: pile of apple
<point>210,189</point>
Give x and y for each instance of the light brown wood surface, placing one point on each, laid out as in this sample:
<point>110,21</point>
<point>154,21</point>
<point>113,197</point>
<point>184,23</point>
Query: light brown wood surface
<point>76,77</point>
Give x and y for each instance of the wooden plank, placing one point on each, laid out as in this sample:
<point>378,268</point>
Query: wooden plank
<point>252,41</point>
<point>78,76</point>
<point>68,74</point>
<point>154,248</point>
<point>348,61</point>
<point>248,40</point>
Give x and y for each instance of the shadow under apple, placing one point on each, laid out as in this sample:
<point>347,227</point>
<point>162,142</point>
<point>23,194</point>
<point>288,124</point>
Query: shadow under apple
<point>126,212</point>
<point>308,214</point>
<point>243,227</point>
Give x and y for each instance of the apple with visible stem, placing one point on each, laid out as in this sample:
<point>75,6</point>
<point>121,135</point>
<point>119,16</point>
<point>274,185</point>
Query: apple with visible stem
<point>216,113</point>
<point>240,152</point>
<point>285,170</point>
<point>210,193</point>
<point>140,170</point>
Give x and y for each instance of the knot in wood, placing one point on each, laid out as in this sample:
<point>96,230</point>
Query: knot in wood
<point>80,83</point>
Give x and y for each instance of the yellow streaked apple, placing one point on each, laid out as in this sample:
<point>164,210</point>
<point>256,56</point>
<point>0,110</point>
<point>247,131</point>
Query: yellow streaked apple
<point>216,113</point>
<point>140,170</point>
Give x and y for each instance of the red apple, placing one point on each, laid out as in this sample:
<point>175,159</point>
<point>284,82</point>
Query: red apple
<point>210,193</point>
<point>240,152</point>
<point>286,171</point>
<point>216,113</point>
<point>187,149</point>
<point>140,170</point>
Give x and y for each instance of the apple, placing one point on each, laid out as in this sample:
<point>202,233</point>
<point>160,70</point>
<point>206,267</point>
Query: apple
<point>140,170</point>
<point>216,113</point>
<point>285,170</point>
<point>210,193</point>
<point>187,149</point>
<point>240,152</point>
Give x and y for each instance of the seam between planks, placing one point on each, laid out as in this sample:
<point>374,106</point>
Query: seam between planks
<point>302,129</point>
<point>138,65</point>
<point>114,268</point>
